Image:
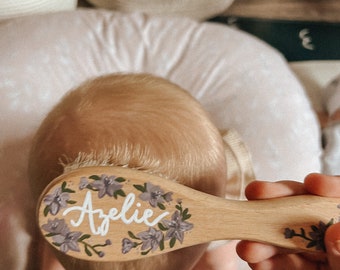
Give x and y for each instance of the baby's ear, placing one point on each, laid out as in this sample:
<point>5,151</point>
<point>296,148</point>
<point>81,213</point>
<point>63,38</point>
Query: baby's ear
<point>239,165</point>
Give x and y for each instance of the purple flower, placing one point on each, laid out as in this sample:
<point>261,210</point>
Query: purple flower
<point>106,185</point>
<point>127,245</point>
<point>289,233</point>
<point>56,200</point>
<point>67,242</point>
<point>150,238</point>
<point>101,254</point>
<point>315,237</point>
<point>56,226</point>
<point>61,235</point>
<point>83,183</point>
<point>155,195</point>
<point>176,227</point>
<point>318,235</point>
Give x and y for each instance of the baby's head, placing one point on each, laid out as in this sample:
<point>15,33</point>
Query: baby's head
<point>139,121</point>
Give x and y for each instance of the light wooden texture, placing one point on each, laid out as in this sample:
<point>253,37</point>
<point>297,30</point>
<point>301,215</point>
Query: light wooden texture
<point>131,200</point>
<point>314,10</point>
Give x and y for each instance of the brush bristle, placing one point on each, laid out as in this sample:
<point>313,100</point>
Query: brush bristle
<point>100,159</point>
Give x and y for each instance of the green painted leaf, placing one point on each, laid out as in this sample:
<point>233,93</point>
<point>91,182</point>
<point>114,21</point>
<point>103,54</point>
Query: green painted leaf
<point>120,179</point>
<point>46,211</point>
<point>140,187</point>
<point>303,232</point>
<point>161,206</point>
<point>83,237</point>
<point>95,177</point>
<point>186,217</point>
<point>185,212</point>
<point>120,192</point>
<point>50,234</point>
<point>132,235</point>
<point>162,227</point>
<point>172,242</point>
<point>71,202</point>
<point>87,251</point>
<point>161,244</point>
<point>331,222</point>
<point>311,244</point>
<point>146,252</point>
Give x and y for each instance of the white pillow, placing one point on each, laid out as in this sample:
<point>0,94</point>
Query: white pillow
<point>10,8</point>
<point>242,82</point>
<point>195,9</point>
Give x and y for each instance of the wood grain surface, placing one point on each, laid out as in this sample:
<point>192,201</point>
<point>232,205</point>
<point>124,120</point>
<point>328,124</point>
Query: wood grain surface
<point>121,214</point>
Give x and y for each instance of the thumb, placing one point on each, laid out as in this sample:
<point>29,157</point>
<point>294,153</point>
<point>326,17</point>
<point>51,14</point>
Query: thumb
<point>332,242</point>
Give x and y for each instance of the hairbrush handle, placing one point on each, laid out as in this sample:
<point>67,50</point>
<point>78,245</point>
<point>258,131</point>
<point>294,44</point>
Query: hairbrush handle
<point>121,214</point>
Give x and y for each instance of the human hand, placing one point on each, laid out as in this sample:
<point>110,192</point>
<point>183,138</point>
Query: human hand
<point>266,257</point>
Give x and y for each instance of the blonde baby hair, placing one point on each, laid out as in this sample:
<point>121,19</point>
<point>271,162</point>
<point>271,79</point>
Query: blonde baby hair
<point>138,121</point>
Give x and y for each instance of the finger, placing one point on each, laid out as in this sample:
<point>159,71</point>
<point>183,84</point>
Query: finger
<point>332,242</point>
<point>221,257</point>
<point>267,190</point>
<point>323,185</point>
<point>254,252</point>
<point>289,261</point>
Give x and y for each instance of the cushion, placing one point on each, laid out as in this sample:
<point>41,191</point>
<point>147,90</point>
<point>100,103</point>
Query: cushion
<point>10,8</point>
<point>243,83</point>
<point>196,9</point>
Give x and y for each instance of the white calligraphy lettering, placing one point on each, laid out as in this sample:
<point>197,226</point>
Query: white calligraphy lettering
<point>113,214</point>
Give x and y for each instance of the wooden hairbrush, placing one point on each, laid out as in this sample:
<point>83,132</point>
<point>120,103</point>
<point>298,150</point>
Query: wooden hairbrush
<point>120,214</point>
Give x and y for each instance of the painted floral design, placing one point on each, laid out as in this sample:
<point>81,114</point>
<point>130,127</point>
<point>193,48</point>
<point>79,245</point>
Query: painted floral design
<point>176,227</point>
<point>169,230</point>
<point>57,200</point>
<point>104,185</point>
<point>154,195</point>
<point>67,240</point>
<point>314,237</point>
